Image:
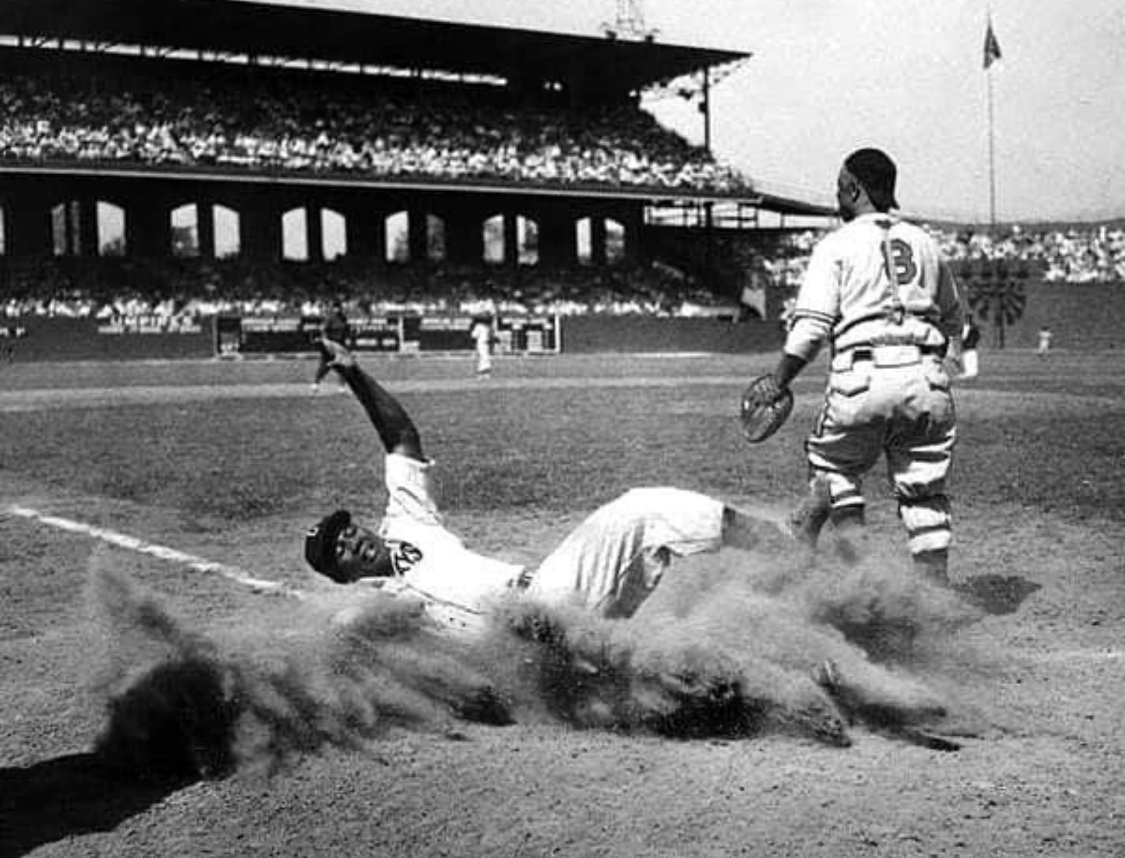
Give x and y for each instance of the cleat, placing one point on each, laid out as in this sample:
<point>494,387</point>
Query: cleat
<point>827,676</point>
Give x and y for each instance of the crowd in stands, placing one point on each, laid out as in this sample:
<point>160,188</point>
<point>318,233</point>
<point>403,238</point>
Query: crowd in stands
<point>106,289</point>
<point>1086,254</point>
<point>1072,255</point>
<point>207,116</point>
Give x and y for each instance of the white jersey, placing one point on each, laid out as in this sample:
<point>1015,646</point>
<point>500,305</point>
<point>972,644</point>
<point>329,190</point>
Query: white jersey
<point>482,335</point>
<point>849,297</point>
<point>456,585</point>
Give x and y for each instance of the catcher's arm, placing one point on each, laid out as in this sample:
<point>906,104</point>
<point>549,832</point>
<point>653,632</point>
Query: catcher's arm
<point>396,430</point>
<point>788,368</point>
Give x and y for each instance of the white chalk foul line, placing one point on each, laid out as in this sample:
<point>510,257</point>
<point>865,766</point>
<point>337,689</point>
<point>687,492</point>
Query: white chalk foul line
<point>131,543</point>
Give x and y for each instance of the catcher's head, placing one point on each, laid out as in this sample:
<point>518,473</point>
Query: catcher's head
<point>866,183</point>
<point>344,551</point>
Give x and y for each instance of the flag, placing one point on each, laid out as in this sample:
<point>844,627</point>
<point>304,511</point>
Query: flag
<point>991,46</point>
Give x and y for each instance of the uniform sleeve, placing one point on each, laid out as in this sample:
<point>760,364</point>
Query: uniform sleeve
<point>410,490</point>
<point>948,301</point>
<point>818,305</point>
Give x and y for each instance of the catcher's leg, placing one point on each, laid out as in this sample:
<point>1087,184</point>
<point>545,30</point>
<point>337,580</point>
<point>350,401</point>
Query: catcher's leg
<point>845,444</point>
<point>919,466</point>
<point>839,459</point>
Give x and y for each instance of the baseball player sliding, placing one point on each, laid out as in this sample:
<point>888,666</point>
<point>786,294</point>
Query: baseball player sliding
<point>608,565</point>
<point>879,293</point>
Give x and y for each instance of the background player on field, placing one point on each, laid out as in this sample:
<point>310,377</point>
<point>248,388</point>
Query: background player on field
<point>483,337</point>
<point>878,291</point>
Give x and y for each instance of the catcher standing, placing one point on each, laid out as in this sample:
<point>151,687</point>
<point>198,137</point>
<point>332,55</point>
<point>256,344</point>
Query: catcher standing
<point>879,293</point>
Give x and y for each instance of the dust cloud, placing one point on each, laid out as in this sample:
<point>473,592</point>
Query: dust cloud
<point>728,646</point>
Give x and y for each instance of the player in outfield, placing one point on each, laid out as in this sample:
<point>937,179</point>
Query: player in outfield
<point>608,565</point>
<point>878,291</point>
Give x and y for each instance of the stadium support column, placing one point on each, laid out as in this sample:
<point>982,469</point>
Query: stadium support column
<point>88,238</point>
<point>262,229</point>
<point>27,222</point>
<point>511,240</point>
<point>418,234</point>
<point>206,223</point>
<point>464,239</point>
<point>557,245</point>
<point>315,232</point>
<point>597,239</point>
<point>364,233</point>
<point>148,225</point>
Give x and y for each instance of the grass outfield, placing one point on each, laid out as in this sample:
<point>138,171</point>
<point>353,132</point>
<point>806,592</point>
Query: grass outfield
<point>231,462</point>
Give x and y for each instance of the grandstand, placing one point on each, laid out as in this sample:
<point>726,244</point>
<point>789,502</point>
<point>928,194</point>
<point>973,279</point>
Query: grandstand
<point>228,155</point>
<point>198,158</point>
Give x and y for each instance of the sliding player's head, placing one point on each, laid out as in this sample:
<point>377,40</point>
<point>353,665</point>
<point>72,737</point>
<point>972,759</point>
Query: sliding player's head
<point>345,551</point>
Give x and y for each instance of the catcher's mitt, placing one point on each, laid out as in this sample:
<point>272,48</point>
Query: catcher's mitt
<point>765,407</point>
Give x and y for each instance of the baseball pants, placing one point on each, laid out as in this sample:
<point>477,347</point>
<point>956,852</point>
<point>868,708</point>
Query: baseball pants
<point>614,559</point>
<point>903,411</point>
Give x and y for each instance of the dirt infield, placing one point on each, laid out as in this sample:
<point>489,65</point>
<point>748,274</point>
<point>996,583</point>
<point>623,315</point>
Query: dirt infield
<point>361,748</point>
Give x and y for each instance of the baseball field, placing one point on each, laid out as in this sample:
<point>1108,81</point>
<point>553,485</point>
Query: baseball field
<point>172,683</point>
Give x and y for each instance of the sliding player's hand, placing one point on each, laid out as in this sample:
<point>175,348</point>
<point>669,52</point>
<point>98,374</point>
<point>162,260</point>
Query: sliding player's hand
<point>338,354</point>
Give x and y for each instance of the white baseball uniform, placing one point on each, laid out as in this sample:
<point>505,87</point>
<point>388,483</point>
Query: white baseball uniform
<point>481,333</point>
<point>609,564</point>
<point>888,391</point>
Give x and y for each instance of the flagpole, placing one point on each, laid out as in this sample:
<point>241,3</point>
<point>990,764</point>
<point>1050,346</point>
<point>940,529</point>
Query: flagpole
<point>991,161</point>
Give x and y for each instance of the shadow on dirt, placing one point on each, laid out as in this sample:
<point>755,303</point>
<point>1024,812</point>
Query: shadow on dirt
<point>996,594</point>
<point>69,796</point>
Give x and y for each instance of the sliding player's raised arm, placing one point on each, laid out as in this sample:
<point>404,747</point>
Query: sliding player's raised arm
<point>396,430</point>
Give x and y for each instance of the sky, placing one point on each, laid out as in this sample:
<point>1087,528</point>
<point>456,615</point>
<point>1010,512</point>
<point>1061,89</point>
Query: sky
<point>829,76</point>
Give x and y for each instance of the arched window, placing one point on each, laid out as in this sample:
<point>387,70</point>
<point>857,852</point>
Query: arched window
<point>396,230</point>
<point>111,229</point>
<point>66,234</point>
<point>295,235</point>
<point>494,239</point>
<point>435,238</point>
<point>614,241</point>
<point>527,241</point>
<point>584,242</point>
<point>228,232</point>
<point>185,230</point>
<point>333,234</point>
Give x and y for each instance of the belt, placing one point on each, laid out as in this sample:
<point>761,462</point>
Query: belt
<point>884,355</point>
<point>867,351</point>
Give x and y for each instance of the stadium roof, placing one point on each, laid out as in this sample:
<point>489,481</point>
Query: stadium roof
<point>348,31</point>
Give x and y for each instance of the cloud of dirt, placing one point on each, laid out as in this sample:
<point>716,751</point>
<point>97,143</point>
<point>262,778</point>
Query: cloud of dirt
<point>738,644</point>
<point>733,645</point>
<point>183,703</point>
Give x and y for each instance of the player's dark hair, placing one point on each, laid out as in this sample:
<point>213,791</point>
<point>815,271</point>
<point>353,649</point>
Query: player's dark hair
<point>320,544</point>
<point>874,169</point>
